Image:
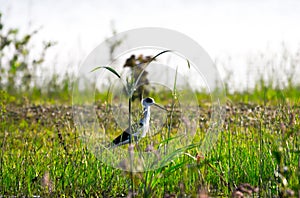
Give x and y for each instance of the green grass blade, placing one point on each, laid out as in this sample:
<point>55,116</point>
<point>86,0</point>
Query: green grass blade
<point>152,59</point>
<point>157,55</point>
<point>108,68</point>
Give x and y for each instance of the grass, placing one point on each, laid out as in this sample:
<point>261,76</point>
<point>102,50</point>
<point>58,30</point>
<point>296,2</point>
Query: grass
<point>42,155</point>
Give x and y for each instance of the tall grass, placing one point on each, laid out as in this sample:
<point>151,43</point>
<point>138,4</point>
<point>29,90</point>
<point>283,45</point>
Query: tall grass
<point>258,146</point>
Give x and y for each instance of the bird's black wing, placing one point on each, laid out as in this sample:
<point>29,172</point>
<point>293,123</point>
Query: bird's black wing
<point>123,138</point>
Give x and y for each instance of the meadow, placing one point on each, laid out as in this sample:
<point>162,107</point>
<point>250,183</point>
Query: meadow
<point>42,154</point>
<point>257,153</point>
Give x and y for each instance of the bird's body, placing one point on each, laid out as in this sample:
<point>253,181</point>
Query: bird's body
<point>138,130</point>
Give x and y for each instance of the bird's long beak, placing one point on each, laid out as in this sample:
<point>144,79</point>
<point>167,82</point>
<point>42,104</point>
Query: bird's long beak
<point>160,107</point>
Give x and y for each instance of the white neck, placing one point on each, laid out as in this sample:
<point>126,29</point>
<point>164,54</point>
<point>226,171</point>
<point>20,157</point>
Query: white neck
<point>145,120</point>
<point>147,114</point>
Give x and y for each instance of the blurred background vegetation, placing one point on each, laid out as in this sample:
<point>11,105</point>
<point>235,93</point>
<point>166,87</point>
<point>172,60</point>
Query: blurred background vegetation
<point>21,71</point>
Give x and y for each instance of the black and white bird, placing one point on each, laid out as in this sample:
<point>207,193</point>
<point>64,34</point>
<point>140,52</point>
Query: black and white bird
<point>138,130</point>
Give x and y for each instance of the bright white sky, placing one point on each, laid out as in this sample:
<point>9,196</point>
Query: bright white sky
<point>235,28</point>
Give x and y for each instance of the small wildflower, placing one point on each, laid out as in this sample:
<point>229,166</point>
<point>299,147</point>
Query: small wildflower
<point>237,194</point>
<point>244,189</point>
<point>289,193</point>
<point>169,195</point>
<point>46,182</point>
<point>149,148</point>
<point>199,157</point>
<point>123,165</point>
<point>182,188</point>
<point>202,193</point>
<point>282,127</point>
<point>131,194</point>
<point>292,119</point>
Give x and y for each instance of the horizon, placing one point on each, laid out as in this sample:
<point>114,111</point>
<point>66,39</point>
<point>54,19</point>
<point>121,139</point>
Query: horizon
<point>231,32</point>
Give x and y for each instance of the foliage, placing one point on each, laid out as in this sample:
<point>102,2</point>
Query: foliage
<point>17,67</point>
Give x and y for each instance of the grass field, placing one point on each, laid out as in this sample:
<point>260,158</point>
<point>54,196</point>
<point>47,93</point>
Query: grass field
<point>257,153</point>
<point>44,151</point>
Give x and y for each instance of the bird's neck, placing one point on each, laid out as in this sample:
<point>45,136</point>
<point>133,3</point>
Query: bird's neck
<point>145,121</point>
<point>146,115</point>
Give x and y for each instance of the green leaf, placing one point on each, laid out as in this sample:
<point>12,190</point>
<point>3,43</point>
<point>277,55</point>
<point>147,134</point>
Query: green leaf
<point>108,68</point>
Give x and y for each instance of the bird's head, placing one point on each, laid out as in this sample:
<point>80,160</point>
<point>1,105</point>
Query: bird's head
<point>146,102</point>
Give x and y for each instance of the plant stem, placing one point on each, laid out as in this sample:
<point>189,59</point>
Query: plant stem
<point>130,142</point>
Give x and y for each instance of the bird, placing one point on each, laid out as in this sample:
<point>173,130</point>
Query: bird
<point>138,130</point>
